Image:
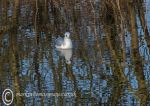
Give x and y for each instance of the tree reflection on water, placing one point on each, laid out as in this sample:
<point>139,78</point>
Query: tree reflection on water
<point>110,61</point>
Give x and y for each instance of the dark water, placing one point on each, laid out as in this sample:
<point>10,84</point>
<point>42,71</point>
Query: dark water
<point>108,65</point>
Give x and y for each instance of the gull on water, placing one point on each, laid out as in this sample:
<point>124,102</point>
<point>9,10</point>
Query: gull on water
<point>64,43</point>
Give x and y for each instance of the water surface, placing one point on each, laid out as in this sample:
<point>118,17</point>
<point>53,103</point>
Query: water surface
<point>108,65</point>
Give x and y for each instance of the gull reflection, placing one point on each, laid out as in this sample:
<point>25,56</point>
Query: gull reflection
<point>67,53</point>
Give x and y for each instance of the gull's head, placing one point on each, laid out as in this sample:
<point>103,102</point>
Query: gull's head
<point>67,34</point>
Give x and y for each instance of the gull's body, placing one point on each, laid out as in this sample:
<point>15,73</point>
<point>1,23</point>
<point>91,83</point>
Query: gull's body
<point>64,43</point>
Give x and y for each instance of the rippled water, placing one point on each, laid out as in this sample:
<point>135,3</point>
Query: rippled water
<point>108,65</point>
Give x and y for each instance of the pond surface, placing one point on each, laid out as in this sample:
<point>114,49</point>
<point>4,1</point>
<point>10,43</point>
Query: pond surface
<point>108,65</point>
